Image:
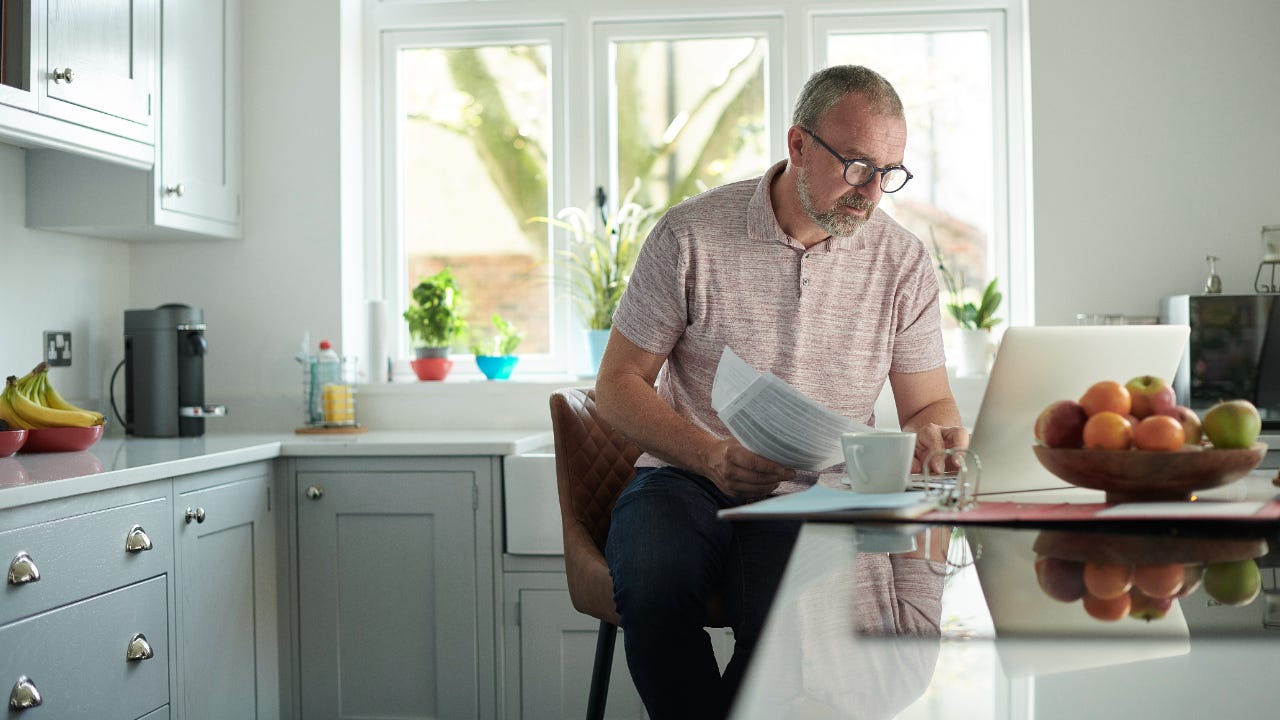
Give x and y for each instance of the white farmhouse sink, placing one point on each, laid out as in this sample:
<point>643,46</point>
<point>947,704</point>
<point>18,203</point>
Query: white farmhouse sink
<point>532,507</point>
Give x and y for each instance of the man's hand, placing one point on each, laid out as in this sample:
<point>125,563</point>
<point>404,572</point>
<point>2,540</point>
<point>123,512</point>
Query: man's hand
<point>930,438</point>
<point>738,472</point>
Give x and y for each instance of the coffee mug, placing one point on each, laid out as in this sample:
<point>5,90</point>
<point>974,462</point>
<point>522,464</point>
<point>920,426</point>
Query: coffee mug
<point>878,462</point>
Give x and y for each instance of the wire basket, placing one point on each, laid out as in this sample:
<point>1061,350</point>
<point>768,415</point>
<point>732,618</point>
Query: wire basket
<point>329,393</point>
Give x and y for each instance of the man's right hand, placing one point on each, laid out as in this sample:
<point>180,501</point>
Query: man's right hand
<point>738,472</point>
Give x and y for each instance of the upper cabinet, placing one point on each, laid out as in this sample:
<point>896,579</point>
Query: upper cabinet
<point>193,188</point>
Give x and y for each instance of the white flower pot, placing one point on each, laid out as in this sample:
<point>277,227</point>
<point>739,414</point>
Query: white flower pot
<point>973,352</point>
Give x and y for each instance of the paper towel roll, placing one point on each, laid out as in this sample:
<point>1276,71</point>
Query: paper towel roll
<point>378,363</point>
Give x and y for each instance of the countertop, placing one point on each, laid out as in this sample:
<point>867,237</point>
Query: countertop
<point>28,478</point>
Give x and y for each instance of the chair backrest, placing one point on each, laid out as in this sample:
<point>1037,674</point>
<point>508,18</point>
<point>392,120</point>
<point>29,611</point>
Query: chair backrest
<point>593,465</point>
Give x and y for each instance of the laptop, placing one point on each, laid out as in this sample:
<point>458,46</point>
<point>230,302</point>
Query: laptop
<point>1038,365</point>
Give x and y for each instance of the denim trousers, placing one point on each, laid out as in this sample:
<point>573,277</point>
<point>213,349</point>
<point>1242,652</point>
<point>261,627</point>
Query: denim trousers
<point>670,556</point>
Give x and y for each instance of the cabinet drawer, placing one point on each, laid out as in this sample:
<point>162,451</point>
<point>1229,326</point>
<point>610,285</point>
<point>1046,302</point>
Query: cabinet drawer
<point>83,555</point>
<point>76,656</point>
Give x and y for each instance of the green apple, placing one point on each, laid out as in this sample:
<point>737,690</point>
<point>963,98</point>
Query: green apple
<point>1235,582</point>
<point>1150,395</point>
<point>1232,424</point>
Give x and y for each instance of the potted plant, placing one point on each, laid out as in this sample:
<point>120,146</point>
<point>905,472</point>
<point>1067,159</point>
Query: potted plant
<point>974,321</point>
<point>435,323</point>
<point>496,356</point>
<point>597,265</point>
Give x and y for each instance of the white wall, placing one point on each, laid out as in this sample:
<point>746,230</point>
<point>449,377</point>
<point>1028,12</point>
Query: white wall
<point>1155,143</point>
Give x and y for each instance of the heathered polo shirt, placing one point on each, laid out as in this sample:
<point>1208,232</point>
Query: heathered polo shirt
<point>832,320</point>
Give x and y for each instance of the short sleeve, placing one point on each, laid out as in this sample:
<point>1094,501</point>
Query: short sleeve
<point>654,309</point>
<point>917,344</point>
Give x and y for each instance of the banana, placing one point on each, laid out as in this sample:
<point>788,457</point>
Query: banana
<point>7,413</point>
<point>38,416</point>
<point>50,398</point>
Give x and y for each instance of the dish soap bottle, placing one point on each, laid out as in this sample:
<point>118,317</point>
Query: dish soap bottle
<point>327,370</point>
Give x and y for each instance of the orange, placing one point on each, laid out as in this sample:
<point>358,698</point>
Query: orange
<point>1108,431</point>
<point>1106,395</point>
<point>1159,432</point>
<point>1107,581</point>
<point>1107,610</point>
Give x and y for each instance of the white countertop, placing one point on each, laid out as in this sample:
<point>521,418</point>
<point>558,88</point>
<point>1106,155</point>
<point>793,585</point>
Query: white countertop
<point>28,478</point>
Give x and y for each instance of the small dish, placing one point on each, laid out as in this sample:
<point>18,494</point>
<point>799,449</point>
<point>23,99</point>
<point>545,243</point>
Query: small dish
<point>1150,475</point>
<point>11,441</point>
<point>63,439</point>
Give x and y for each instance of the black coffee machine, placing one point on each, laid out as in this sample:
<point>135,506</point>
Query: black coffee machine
<point>164,353</point>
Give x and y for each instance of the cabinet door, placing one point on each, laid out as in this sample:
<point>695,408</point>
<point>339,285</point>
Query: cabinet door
<point>387,594</point>
<point>228,660</point>
<point>98,64</point>
<point>199,171</point>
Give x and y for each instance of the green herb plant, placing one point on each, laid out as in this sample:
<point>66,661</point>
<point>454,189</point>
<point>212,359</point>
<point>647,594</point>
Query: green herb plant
<point>503,342</point>
<point>435,318</point>
<point>970,316</point>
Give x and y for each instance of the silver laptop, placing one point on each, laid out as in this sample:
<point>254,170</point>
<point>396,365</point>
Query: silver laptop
<point>1038,365</point>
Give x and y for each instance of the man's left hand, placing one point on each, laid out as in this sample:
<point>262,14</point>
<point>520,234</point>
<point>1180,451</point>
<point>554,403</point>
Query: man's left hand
<point>931,438</point>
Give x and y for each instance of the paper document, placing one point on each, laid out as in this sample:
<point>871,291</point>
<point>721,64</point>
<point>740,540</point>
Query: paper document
<point>821,500</point>
<point>773,419</point>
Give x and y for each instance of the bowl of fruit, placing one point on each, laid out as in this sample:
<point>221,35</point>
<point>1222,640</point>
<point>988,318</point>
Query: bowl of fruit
<point>50,422</point>
<point>11,440</point>
<point>1135,443</point>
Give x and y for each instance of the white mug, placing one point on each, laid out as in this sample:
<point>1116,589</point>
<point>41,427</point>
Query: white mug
<point>878,462</point>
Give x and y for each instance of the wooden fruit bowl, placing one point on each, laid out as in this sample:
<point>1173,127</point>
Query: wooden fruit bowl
<point>1149,475</point>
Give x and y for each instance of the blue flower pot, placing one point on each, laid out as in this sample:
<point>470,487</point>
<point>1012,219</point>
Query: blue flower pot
<point>497,367</point>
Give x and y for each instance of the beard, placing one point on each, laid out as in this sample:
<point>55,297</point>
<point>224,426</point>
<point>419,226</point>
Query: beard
<point>833,221</point>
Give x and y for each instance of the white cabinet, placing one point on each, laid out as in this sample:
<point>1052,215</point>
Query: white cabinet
<point>193,190</point>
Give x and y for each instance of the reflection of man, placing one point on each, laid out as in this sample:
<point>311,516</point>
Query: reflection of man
<point>801,276</point>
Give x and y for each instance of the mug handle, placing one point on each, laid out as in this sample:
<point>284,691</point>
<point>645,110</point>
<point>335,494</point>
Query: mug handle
<point>862,476</point>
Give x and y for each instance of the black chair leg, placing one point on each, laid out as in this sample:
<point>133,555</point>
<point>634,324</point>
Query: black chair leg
<point>601,671</point>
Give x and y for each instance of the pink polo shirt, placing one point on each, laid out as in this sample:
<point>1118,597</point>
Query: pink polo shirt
<point>832,320</point>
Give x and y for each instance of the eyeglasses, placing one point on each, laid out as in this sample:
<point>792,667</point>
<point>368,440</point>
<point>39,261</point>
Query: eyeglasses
<point>860,171</point>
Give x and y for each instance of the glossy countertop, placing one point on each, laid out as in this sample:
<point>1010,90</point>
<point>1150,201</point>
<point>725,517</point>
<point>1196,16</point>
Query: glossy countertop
<point>114,462</point>
<point>918,622</point>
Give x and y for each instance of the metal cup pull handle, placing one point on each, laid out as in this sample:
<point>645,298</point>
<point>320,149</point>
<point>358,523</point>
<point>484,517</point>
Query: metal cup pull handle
<point>139,649</point>
<point>25,695</point>
<point>23,570</point>
<point>137,541</point>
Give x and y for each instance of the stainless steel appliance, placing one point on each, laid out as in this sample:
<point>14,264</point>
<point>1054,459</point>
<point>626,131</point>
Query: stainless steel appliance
<point>164,353</point>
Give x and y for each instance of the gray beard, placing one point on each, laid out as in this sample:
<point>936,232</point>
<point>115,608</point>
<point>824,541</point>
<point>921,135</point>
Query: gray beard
<point>833,221</point>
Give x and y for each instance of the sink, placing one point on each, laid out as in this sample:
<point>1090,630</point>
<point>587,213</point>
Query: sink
<point>532,506</point>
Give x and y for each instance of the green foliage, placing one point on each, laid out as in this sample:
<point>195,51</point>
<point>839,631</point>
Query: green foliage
<point>435,318</point>
<point>503,342</point>
<point>980,316</point>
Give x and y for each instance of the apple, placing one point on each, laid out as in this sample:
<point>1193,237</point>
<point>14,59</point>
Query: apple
<point>1061,425</point>
<point>1145,607</point>
<point>1235,582</point>
<point>1232,424</point>
<point>1060,579</point>
<point>1149,395</point>
<point>1191,426</point>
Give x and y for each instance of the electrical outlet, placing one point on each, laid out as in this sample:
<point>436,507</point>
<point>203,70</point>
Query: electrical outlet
<point>57,348</point>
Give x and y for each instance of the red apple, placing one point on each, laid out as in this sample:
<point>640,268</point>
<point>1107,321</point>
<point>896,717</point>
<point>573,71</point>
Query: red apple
<point>1191,426</point>
<point>1145,607</point>
<point>1060,579</point>
<point>1061,425</point>
<point>1150,395</point>
<point>1232,424</point>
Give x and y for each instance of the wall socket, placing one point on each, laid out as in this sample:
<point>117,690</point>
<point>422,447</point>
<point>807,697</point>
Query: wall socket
<point>57,348</point>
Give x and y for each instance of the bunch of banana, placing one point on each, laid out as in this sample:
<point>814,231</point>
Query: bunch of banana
<point>30,402</point>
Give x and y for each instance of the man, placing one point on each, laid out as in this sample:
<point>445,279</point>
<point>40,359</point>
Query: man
<point>802,276</point>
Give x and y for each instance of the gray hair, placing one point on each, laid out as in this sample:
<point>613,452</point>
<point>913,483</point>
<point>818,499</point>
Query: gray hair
<point>830,85</point>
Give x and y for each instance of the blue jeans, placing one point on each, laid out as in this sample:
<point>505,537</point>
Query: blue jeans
<point>669,554</point>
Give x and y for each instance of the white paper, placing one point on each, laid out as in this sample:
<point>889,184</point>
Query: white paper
<point>775,420</point>
<point>822,499</point>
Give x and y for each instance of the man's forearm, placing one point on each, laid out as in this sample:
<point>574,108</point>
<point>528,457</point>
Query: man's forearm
<point>630,404</point>
<point>943,413</point>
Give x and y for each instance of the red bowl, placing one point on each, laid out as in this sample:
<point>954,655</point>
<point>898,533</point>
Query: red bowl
<point>64,439</point>
<point>431,368</point>
<point>11,441</point>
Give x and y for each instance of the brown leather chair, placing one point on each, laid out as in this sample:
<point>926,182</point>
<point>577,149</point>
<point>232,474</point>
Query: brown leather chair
<point>593,464</point>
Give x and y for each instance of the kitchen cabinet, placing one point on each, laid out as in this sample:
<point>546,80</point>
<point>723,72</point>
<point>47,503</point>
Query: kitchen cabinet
<point>225,595</point>
<point>395,614</point>
<point>193,189</point>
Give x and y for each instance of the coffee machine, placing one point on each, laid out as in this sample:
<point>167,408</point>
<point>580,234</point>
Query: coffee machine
<point>164,353</point>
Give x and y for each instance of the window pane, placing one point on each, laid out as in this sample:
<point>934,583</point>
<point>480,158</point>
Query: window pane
<point>689,115</point>
<point>944,79</point>
<point>474,136</point>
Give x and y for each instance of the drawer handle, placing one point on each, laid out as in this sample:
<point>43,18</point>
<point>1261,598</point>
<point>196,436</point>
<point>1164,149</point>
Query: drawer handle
<point>196,514</point>
<point>139,649</point>
<point>177,189</point>
<point>137,541</point>
<point>23,570</point>
<point>315,493</point>
<point>24,695</point>
<point>62,75</point>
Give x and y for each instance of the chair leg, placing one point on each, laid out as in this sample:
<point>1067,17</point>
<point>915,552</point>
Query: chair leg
<point>600,672</point>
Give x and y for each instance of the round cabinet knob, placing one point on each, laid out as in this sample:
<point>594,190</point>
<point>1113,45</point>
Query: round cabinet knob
<point>177,189</point>
<point>139,649</point>
<point>196,514</point>
<point>62,75</point>
<point>24,695</point>
<point>315,493</point>
<point>137,541</point>
<point>23,570</point>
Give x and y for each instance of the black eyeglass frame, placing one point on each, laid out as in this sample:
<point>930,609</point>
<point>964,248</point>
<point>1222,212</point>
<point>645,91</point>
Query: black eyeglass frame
<point>882,171</point>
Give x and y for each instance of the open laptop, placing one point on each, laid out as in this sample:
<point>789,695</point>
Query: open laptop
<point>1038,365</point>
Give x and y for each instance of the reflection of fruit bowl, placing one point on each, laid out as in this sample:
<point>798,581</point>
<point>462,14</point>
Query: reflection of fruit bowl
<point>11,441</point>
<point>1145,475</point>
<point>1144,549</point>
<point>64,439</point>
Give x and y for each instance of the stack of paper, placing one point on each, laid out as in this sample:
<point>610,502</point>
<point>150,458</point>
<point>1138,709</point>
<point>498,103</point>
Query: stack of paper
<point>773,419</point>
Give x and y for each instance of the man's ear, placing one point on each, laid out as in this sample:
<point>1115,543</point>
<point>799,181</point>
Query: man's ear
<point>795,145</point>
